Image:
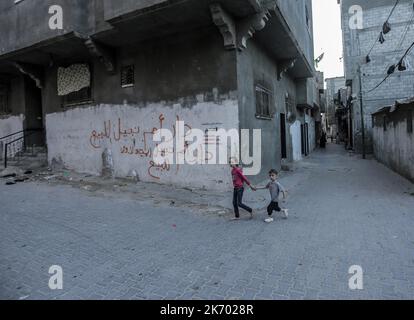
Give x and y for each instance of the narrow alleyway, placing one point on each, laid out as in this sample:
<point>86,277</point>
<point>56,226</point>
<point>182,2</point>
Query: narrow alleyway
<point>344,211</point>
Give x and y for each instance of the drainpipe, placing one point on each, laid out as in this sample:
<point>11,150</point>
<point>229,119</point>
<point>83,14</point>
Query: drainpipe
<point>362,113</point>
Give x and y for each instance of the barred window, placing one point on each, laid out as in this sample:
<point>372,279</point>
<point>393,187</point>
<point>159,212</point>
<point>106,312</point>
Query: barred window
<point>127,76</point>
<point>263,102</point>
<point>78,97</point>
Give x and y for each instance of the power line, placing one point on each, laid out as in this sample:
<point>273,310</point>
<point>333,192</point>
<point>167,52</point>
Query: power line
<point>388,75</point>
<point>386,21</point>
<point>407,28</point>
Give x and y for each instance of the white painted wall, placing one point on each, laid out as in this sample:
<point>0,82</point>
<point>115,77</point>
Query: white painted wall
<point>78,138</point>
<point>312,133</point>
<point>295,133</point>
<point>9,125</point>
<point>395,148</point>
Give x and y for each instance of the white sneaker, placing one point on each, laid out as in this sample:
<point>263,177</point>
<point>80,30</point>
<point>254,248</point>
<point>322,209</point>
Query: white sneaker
<point>285,213</point>
<point>269,220</point>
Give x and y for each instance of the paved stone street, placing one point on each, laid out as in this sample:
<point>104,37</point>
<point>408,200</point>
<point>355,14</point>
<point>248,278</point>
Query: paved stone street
<point>343,211</point>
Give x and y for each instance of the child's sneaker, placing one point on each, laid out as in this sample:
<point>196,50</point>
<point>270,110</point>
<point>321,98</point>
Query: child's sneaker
<point>269,220</point>
<point>285,213</point>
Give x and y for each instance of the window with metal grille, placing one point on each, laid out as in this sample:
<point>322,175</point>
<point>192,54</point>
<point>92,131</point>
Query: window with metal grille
<point>4,106</point>
<point>263,102</point>
<point>127,76</point>
<point>410,121</point>
<point>82,96</point>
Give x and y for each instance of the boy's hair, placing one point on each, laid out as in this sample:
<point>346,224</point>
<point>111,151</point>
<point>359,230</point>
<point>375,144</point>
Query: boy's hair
<point>273,171</point>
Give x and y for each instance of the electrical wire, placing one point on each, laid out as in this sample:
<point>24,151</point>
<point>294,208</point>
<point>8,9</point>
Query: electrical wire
<point>403,37</point>
<point>388,19</point>
<point>388,75</point>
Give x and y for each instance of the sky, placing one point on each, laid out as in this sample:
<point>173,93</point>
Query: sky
<point>328,36</point>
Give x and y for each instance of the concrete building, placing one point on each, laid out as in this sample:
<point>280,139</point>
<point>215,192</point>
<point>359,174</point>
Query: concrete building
<point>364,51</point>
<point>393,137</point>
<point>333,87</point>
<point>117,70</point>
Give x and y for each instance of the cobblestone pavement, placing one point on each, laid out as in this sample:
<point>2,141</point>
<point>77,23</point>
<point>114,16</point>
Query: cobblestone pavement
<point>343,211</point>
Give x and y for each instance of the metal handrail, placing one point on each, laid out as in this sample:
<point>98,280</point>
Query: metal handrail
<point>11,135</point>
<point>29,133</point>
<point>19,132</point>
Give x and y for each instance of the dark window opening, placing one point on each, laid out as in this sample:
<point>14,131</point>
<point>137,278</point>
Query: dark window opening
<point>263,101</point>
<point>127,76</point>
<point>79,97</point>
<point>283,135</point>
<point>410,121</point>
<point>4,103</point>
<point>384,123</point>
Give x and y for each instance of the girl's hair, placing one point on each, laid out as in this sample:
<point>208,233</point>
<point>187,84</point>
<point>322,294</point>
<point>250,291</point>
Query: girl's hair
<point>273,171</point>
<point>234,161</point>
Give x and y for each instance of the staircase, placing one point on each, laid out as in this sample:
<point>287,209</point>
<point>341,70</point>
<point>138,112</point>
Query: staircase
<point>29,159</point>
<point>17,150</point>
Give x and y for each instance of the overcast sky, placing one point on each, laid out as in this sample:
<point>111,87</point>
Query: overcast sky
<point>328,36</point>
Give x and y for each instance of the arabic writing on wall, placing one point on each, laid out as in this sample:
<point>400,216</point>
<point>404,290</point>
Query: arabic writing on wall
<point>134,141</point>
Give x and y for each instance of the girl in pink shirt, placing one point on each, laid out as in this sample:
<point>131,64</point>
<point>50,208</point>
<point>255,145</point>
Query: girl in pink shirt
<point>238,182</point>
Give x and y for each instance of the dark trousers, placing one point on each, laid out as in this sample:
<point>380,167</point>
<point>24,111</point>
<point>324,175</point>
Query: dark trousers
<point>238,202</point>
<point>273,206</point>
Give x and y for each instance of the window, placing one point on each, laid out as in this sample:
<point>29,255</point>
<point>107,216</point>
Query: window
<point>410,121</point>
<point>384,123</point>
<point>75,84</point>
<point>4,106</point>
<point>127,76</point>
<point>82,96</point>
<point>263,102</point>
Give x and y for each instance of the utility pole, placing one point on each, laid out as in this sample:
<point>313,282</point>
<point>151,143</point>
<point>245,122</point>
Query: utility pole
<point>364,156</point>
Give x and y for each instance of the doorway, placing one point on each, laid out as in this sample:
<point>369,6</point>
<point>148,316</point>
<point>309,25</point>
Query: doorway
<point>33,113</point>
<point>305,138</point>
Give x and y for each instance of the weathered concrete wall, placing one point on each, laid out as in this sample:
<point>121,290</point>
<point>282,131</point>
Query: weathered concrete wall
<point>115,8</point>
<point>168,69</point>
<point>9,125</point>
<point>357,44</point>
<point>26,23</point>
<point>395,146</point>
<point>254,66</point>
<point>191,77</point>
<point>295,14</point>
<point>332,87</point>
<point>78,137</point>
